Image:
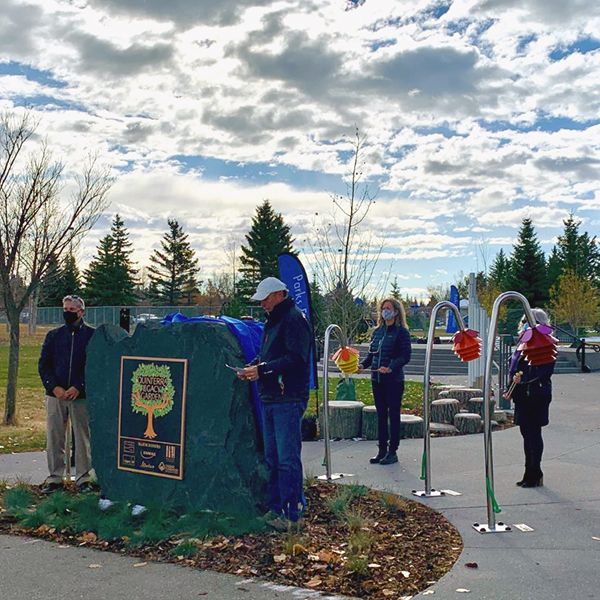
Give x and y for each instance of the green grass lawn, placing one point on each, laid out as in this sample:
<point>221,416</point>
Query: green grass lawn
<point>412,400</point>
<point>30,433</point>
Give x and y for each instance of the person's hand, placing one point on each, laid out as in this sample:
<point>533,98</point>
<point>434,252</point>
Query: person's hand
<point>59,392</point>
<point>517,377</point>
<point>384,370</point>
<point>248,374</point>
<point>71,394</point>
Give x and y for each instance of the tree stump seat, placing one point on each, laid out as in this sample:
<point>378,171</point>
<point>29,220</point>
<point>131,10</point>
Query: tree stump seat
<point>468,422</point>
<point>436,390</point>
<point>411,426</point>
<point>475,405</point>
<point>369,423</point>
<point>442,429</point>
<point>462,394</point>
<point>345,417</point>
<point>443,410</point>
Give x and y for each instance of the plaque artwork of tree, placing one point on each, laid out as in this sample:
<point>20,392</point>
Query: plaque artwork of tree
<point>152,393</point>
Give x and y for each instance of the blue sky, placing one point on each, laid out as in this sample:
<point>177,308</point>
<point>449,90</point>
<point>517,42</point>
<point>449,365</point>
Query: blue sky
<point>475,114</point>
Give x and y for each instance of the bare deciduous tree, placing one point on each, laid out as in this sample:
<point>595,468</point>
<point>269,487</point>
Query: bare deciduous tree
<point>36,223</point>
<point>344,256</point>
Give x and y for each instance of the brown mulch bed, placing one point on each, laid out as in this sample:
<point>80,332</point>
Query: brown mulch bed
<point>379,546</point>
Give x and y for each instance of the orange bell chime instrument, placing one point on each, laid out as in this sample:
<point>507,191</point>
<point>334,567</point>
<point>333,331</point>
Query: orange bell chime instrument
<point>346,359</point>
<point>466,344</point>
<point>537,345</point>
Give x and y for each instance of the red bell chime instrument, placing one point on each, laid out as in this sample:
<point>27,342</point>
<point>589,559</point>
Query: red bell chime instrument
<point>537,345</point>
<point>466,344</point>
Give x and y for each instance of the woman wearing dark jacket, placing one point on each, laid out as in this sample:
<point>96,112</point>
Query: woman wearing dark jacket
<point>389,351</point>
<point>532,395</point>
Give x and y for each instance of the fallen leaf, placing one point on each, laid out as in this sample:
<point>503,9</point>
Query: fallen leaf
<point>428,592</point>
<point>279,558</point>
<point>463,590</point>
<point>140,564</point>
<point>314,582</point>
<point>327,557</point>
<point>374,566</point>
<point>405,574</point>
<point>596,538</point>
<point>298,549</point>
<point>94,566</point>
<point>88,536</point>
<point>388,592</point>
<point>472,565</point>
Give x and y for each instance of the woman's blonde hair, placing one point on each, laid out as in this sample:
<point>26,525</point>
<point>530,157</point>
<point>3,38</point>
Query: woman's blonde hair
<point>400,313</point>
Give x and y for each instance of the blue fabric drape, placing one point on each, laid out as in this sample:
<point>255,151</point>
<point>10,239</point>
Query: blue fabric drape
<point>248,334</point>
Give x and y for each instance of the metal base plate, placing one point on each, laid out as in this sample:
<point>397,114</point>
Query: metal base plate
<point>334,476</point>
<point>499,528</point>
<point>432,494</point>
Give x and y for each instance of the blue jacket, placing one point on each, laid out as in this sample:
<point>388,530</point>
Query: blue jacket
<point>389,347</point>
<point>62,361</point>
<point>284,359</point>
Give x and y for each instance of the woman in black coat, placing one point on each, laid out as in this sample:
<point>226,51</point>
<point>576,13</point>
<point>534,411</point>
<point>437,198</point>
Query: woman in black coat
<point>532,395</point>
<point>389,351</point>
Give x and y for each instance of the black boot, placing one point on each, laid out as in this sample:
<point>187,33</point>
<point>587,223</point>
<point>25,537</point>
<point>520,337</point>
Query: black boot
<point>526,476</point>
<point>380,454</point>
<point>389,459</point>
<point>536,479</point>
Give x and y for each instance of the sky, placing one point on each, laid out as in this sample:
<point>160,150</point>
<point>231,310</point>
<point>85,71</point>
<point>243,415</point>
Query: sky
<point>475,113</point>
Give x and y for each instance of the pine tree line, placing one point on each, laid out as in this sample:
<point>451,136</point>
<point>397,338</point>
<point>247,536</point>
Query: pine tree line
<point>172,275</point>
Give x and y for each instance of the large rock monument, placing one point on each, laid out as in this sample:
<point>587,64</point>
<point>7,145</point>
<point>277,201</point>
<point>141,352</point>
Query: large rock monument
<point>170,423</point>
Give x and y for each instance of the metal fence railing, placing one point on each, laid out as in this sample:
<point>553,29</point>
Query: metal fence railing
<point>98,315</point>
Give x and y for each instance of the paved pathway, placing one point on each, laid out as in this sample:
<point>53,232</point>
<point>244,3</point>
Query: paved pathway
<point>558,560</point>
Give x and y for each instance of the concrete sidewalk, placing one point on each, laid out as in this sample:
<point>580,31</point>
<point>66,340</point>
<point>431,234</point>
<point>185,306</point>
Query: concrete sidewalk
<point>558,560</point>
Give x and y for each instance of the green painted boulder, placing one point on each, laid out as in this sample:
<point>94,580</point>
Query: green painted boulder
<point>170,423</point>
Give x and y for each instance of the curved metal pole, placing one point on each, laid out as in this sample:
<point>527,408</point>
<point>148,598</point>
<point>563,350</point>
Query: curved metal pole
<point>342,338</point>
<point>487,428</point>
<point>426,383</point>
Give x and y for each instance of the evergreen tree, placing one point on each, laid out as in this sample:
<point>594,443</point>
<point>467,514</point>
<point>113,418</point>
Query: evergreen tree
<point>577,253</point>
<point>110,278</point>
<point>174,268</point>
<point>395,290</point>
<point>499,272</point>
<point>70,278</point>
<point>553,267</point>
<point>51,291</point>
<point>268,237</point>
<point>61,279</point>
<point>527,273</point>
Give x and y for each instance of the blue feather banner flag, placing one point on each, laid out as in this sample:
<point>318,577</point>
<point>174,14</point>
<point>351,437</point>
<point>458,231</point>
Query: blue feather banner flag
<point>292,273</point>
<point>452,325</point>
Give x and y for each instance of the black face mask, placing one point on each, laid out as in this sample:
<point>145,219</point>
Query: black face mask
<point>70,317</point>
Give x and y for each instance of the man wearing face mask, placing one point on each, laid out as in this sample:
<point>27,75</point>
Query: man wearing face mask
<point>62,370</point>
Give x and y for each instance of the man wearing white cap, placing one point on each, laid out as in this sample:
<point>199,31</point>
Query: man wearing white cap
<point>282,371</point>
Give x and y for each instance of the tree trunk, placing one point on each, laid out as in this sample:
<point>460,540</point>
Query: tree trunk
<point>10,410</point>
<point>150,433</point>
<point>33,310</point>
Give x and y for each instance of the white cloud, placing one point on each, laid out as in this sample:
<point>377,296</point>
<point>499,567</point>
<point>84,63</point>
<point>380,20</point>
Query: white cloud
<point>471,124</point>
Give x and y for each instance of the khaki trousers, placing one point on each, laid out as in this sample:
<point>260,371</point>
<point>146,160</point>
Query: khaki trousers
<point>57,412</point>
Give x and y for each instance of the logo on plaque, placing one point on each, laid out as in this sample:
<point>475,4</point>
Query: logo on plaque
<point>152,393</point>
<point>152,415</point>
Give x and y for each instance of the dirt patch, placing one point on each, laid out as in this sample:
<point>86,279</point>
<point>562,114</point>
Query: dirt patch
<point>353,541</point>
